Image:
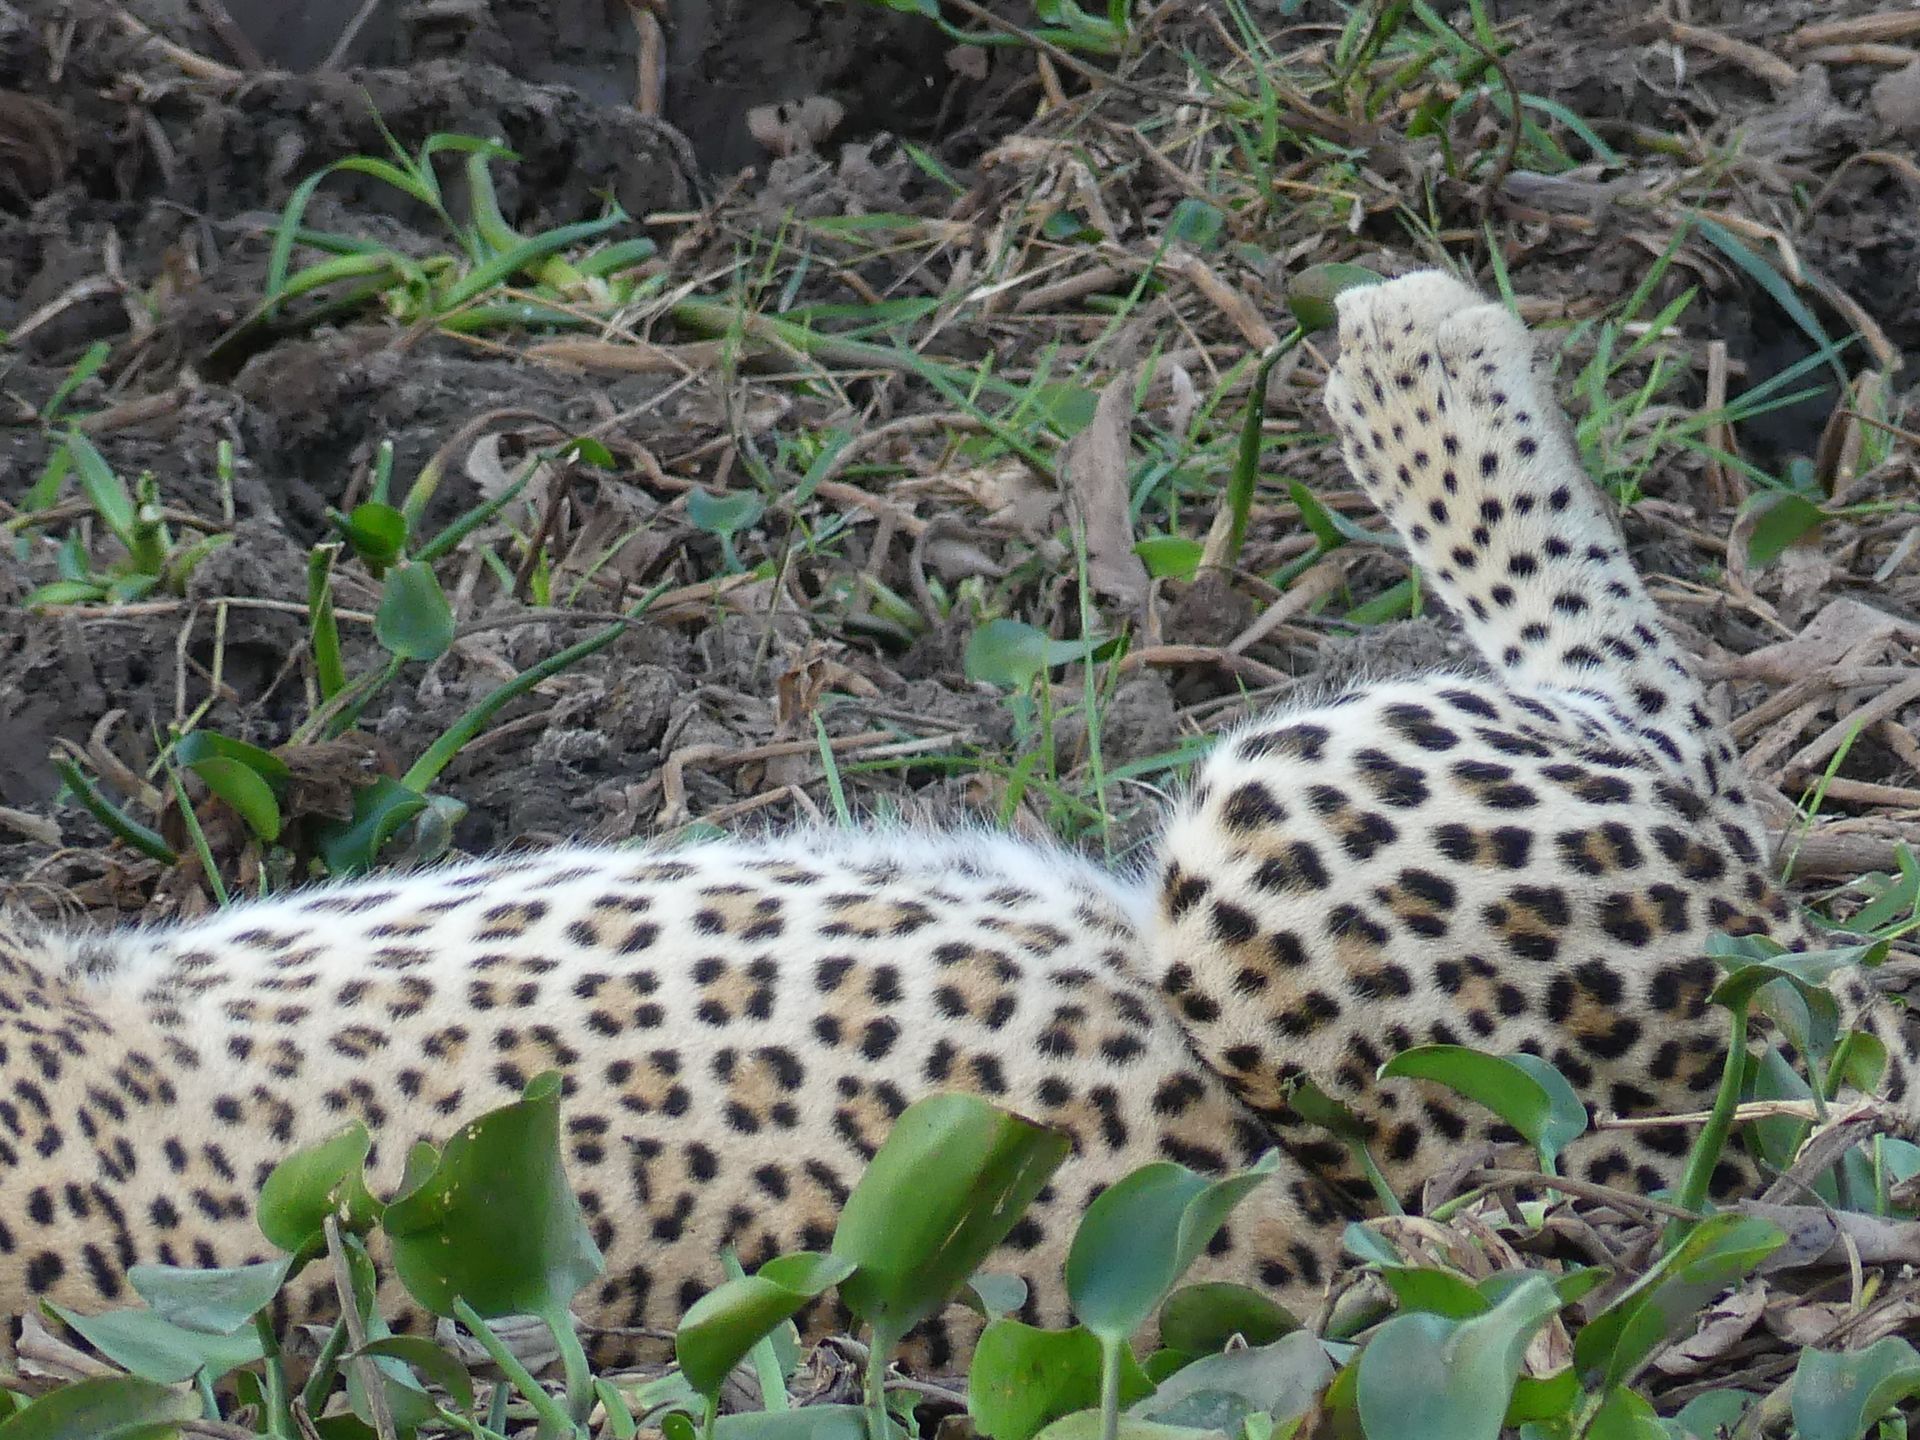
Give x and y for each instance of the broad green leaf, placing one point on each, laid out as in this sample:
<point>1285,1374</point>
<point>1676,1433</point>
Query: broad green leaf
<point>495,1223</point>
<point>809,1422</point>
<point>1624,1415</point>
<point>350,847</point>
<point>1311,294</point>
<point>1840,1396</point>
<point>1716,1253</point>
<point>1024,1378</point>
<point>993,1294</point>
<point>324,1179</point>
<point>951,1179</point>
<point>155,1349</point>
<point>1708,1416</point>
<point>1170,557</point>
<point>1219,1392</point>
<point>1204,1317</point>
<point>429,1359</point>
<point>724,1324</point>
<point>377,532</point>
<point>723,514</point>
<point>214,1302</point>
<point>1434,1291</point>
<point>198,746</point>
<point>1012,653</point>
<point>110,1407</point>
<point>242,788</point>
<point>1424,1377</point>
<point>1085,1425</point>
<point>414,620</point>
<point>1139,1236</point>
<point>1784,517</point>
<point>1195,224</point>
<point>1523,1090</point>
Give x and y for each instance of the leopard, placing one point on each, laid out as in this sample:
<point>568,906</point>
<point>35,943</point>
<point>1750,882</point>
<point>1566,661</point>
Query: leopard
<point>1528,858</point>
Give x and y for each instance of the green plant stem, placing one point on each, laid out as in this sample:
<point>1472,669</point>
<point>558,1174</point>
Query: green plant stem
<point>148,842</point>
<point>573,1364</point>
<point>280,1422</point>
<point>877,1425</point>
<point>1111,1352</point>
<point>554,1419</point>
<point>200,846</point>
<point>1713,1136</point>
<point>326,1369</point>
<point>1246,464</point>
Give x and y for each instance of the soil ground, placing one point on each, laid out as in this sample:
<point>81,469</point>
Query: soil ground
<point>142,184</point>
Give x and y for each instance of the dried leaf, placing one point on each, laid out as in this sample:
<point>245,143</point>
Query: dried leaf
<point>1094,470</point>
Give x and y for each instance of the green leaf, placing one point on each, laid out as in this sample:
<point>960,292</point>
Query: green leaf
<point>241,788</point>
<point>1219,1392</point>
<point>377,532</point>
<point>1783,518</point>
<point>1196,224</point>
<point>495,1223</point>
<point>350,847</point>
<point>1842,1396</point>
<point>1716,1253</point>
<point>1425,1377</point>
<point>1085,1425</point>
<point>1204,1317</point>
<point>198,746</point>
<point>1523,1090</point>
<point>110,1407</point>
<point>723,514</point>
<point>157,1350</point>
<point>1170,557</point>
<point>810,1422</point>
<point>65,592</point>
<point>951,1179</point>
<point>429,1359</point>
<point>1012,653</point>
<point>325,1179</point>
<point>724,1324</point>
<point>1023,1378</point>
<point>1140,1235</point>
<point>1311,294</point>
<point>214,1302</point>
<point>1708,1416</point>
<point>993,1295</point>
<point>414,620</point>
<point>1623,1415</point>
<point>105,491</point>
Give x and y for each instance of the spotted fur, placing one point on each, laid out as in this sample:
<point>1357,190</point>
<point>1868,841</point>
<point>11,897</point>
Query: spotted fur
<point>1529,863</point>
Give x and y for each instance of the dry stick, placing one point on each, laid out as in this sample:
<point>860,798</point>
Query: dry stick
<point>376,1392</point>
<point>338,54</point>
<point>1622,1200</point>
<point>1836,734</point>
<point>1764,63</point>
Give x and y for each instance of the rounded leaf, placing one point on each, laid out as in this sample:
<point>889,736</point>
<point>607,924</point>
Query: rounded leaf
<point>214,1302</point>
<point>1526,1092</point>
<point>495,1223</point>
<point>1425,1377</point>
<point>1138,1238</point>
<point>1311,294</point>
<point>1204,1317</point>
<point>1842,1396</point>
<point>951,1179</point>
<point>1024,1378</point>
<point>725,1324</point>
<point>414,620</point>
<point>109,1407</point>
<point>313,1183</point>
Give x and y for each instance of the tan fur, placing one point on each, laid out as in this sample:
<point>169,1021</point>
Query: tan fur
<point>1530,862</point>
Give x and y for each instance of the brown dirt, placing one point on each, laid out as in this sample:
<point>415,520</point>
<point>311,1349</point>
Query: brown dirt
<point>138,203</point>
